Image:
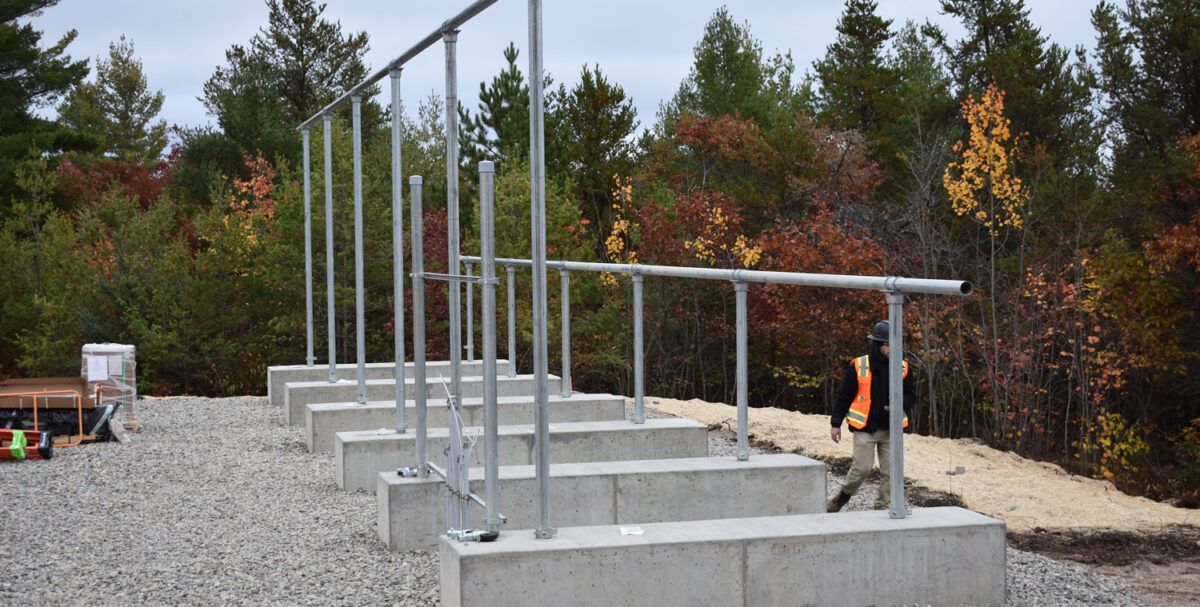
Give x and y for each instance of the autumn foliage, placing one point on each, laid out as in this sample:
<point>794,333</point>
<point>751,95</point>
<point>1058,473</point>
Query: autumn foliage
<point>1066,189</point>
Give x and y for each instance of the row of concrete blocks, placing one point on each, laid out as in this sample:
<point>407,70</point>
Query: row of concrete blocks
<point>324,420</point>
<point>651,497</point>
<point>295,387</point>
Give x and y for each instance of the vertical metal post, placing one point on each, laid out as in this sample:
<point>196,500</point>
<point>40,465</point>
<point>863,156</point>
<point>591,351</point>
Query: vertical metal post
<point>895,301</point>
<point>470,316</point>
<point>743,414</point>
<point>398,249</point>
<point>512,320</point>
<point>329,306</point>
<point>639,388</point>
<point>565,277</point>
<point>452,263</point>
<point>537,205</point>
<point>418,297</point>
<point>359,314</point>
<point>487,272</point>
<point>308,278</point>
<point>456,513</point>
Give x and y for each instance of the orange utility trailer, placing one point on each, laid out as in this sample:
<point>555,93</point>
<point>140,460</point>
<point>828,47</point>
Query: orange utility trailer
<point>58,406</point>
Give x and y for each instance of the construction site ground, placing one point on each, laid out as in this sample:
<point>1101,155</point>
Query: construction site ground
<point>1154,547</point>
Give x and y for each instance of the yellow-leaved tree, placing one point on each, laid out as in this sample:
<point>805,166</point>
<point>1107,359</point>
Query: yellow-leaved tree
<point>982,183</point>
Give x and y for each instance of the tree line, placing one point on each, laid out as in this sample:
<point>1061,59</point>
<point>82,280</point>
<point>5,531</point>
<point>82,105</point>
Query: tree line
<point>1064,184</point>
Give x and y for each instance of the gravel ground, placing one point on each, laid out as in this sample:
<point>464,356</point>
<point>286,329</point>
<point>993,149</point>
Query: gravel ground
<point>214,501</point>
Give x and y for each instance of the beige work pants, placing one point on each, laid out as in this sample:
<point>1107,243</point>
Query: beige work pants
<point>866,445</point>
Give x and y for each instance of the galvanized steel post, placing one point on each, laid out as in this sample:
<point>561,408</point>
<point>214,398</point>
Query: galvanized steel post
<point>398,250</point>
<point>565,277</point>
<point>470,315</point>
<point>743,405</point>
<point>456,514</point>
<point>308,278</point>
<point>537,205</point>
<point>360,318</point>
<point>487,273</point>
<point>329,306</point>
<point>639,388</point>
<point>895,301</point>
<point>418,297</point>
<point>512,320</point>
<point>450,39</point>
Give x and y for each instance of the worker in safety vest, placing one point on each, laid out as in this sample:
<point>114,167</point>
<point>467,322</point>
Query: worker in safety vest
<point>862,400</point>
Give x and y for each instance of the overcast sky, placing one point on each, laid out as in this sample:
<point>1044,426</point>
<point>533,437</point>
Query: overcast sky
<point>645,46</point>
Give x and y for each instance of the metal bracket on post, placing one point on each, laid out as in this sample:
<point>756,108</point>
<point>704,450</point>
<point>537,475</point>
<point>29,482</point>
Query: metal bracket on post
<point>895,301</point>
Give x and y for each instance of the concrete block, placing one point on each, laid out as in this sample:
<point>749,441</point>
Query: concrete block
<point>282,374</point>
<point>298,395</point>
<point>360,456</point>
<point>412,511</point>
<point>937,556</point>
<point>323,420</point>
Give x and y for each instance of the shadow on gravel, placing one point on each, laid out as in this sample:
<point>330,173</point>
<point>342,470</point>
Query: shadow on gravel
<point>1174,544</point>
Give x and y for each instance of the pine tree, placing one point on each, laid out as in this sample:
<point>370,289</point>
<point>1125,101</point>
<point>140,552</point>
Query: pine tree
<point>599,121</point>
<point>291,69</point>
<point>500,131</point>
<point>1149,75</point>
<point>728,76</point>
<point>118,107</point>
<point>858,86</point>
<point>1047,97</point>
<point>501,128</point>
<point>31,77</point>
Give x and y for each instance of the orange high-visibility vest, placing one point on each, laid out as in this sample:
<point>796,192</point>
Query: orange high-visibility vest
<point>861,407</point>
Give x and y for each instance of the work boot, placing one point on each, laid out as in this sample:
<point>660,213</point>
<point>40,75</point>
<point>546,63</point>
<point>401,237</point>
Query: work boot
<point>838,502</point>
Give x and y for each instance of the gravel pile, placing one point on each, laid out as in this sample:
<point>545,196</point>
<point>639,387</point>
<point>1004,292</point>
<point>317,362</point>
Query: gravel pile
<point>215,502</point>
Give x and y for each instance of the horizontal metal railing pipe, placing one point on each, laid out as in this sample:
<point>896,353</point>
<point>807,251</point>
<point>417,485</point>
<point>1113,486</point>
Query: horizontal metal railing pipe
<point>871,283</point>
<point>448,25</point>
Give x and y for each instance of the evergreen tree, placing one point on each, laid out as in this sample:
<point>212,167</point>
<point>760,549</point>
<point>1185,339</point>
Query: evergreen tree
<point>1046,96</point>
<point>858,86</point>
<point>500,131</point>
<point>728,76</point>
<point>1149,76</point>
<point>118,107</point>
<point>31,77</point>
<point>291,69</point>
<point>737,125</point>
<point>598,122</point>
<point>924,86</point>
<point>501,128</point>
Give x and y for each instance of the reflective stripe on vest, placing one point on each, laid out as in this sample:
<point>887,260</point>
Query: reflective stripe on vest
<point>860,407</point>
<point>17,448</point>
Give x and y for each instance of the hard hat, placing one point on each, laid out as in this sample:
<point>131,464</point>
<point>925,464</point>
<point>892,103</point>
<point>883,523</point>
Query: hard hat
<point>880,332</point>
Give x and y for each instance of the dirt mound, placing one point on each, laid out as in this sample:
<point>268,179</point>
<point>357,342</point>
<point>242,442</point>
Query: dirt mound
<point>1026,494</point>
